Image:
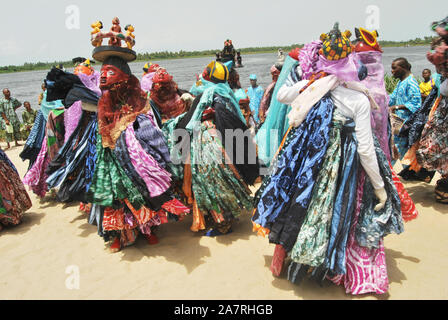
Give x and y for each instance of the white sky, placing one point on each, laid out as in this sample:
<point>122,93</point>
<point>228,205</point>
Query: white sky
<point>36,30</point>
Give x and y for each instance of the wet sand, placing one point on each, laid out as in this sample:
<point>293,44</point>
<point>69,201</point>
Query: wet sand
<point>53,238</point>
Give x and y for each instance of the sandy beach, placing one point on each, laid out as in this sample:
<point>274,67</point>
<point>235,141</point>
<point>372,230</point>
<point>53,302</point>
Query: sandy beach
<point>53,238</point>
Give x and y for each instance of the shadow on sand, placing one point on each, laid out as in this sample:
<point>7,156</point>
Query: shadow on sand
<point>180,245</point>
<point>423,194</point>
<point>176,244</point>
<point>29,220</point>
<point>310,289</point>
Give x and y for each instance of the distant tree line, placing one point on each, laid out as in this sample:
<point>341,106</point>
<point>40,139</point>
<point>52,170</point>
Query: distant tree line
<point>415,42</point>
<point>161,55</point>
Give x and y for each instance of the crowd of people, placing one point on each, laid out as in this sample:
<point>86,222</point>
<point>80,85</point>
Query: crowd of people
<point>138,154</point>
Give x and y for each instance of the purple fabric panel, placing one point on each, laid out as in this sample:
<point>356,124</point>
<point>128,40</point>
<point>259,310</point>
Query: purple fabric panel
<point>156,178</point>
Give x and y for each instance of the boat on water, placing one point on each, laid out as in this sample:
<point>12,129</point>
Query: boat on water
<point>228,53</point>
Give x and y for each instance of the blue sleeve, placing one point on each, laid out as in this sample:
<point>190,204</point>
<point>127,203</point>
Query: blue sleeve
<point>393,97</point>
<point>414,97</point>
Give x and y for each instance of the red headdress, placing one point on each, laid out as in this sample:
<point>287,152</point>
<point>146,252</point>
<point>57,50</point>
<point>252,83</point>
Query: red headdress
<point>367,41</point>
<point>294,53</point>
<point>162,76</point>
<point>165,94</point>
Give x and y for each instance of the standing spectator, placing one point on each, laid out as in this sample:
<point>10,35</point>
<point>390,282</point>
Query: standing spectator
<point>405,99</point>
<point>255,93</point>
<point>10,123</point>
<point>28,117</point>
<point>427,84</point>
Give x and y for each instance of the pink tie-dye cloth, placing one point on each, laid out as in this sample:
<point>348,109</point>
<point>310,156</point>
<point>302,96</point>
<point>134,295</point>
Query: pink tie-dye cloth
<point>156,178</point>
<point>36,177</point>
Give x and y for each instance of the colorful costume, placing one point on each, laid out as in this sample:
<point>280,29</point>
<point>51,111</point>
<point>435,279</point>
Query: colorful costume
<point>14,199</point>
<point>275,126</point>
<point>432,148</point>
<point>366,268</point>
<point>215,178</point>
<point>71,171</point>
<point>320,199</point>
<point>128,185</point>
<point>51,130</point>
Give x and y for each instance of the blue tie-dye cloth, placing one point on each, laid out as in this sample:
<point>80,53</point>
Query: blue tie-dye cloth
<point>284,201</point>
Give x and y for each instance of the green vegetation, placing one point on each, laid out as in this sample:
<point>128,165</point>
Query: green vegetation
<point>192,54</point>
<point>28,66</point>
<point>162,55</point>
<point>411,43</point>
<point>390,83</point>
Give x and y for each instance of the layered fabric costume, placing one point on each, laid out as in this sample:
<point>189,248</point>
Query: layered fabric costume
<point>433,145</point>
<point>71,170</point>
<point>73,114</point>
<point>33,144</point>
<point>366,267</point>
<point>52,126</point>
<point>213,177</point>
<point>431,150</point>
<point>14,199</point>
<point>319,206</point>
<point>270,134</point>
<point>114,161</point>
<point>130,188</point>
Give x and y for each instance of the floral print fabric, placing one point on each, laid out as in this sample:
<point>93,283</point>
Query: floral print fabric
<point>433,150</point>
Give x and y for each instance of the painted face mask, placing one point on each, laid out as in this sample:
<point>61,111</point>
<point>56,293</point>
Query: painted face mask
<point>111,75</point>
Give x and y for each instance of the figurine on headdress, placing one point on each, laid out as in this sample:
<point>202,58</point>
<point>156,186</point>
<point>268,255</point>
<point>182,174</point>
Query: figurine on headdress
<point>130,28</point>
<point>97,26</point>
<point>115,35</point>
<point>115,41</point>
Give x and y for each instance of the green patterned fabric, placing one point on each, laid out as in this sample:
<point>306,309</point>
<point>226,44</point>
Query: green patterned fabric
<point>312,241</point>
<point>28,117</point>
<point>176,166</point>
<point>110,184</point>
<point>8,107</point>
<point>214,185</point>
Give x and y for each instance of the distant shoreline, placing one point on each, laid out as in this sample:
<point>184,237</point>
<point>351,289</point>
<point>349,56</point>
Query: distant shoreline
<point>39,66</point>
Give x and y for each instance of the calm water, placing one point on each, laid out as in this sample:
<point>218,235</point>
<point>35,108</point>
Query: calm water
<point>27,85</point>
